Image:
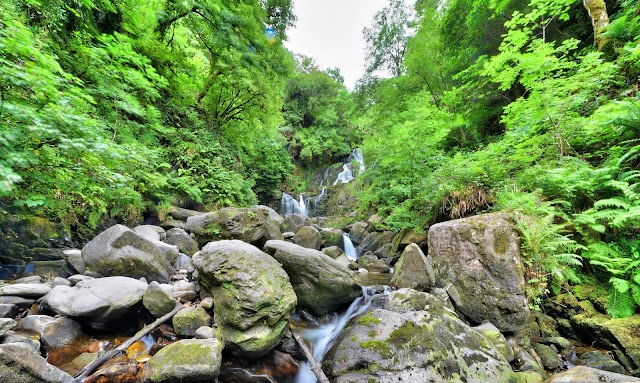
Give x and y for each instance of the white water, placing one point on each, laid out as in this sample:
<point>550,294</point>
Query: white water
<point>349,250</point>
<point>347,175</point>
<point>289,205</point>
<point>324,334</point>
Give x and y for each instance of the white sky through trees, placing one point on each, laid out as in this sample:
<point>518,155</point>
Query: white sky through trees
<point>330,31</point>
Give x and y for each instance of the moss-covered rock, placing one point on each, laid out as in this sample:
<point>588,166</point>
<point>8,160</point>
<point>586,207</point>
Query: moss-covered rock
<point>157,300</point>
<point>252,294</point>
<point>414,270</point>
<point>189,360</point>
<point>189,319</point>
<point>309,237</point>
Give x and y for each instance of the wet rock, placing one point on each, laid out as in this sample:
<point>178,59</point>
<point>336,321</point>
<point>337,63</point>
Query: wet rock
<point>581,374</point>
<point>375,240</point>
<point>414,270</point>
<point>331,237</point>
<point>119,251</point>
<point>431,345</point>
<point>54,332</point>
<point>190,360</point>
<point>561,344</point>
<point>189,319</point>
<point>358,232</point>
<point>18,363</point>
<point>494,335</point>
<point>253,298</point>
<point>21,303</point>
<point>157,300</point>
<point>100,300</point>
<point>6,324</point>
<point>601,361</point>
<point>183,241</point>
<point>117,373</point>
<point>253,225</point>
<point>29,340</point>
<point>525,361</point>
<point>548,356</point>
<point>309,237</point>
<point>75,260</point>
<point>480,256</point>
<point>372,263</point>
<point>26,290</point>
<point>8,311</point>
<point>321,284</point>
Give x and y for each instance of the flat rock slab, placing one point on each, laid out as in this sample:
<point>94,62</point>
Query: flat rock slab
<point>26,290</point>
<point>100,299</point>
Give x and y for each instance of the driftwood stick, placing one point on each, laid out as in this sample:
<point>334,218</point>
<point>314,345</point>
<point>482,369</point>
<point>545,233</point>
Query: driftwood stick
<point>315,366</point>
<point>124,346</point>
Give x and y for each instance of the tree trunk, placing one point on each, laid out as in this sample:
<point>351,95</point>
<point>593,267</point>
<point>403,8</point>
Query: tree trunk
<point>599,19</point>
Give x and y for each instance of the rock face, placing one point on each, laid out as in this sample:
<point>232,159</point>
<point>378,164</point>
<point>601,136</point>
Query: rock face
<point>189,360</point>
<point>253,225</point>
<point>309,237</point>
<point>413,270</point>
<point>583,374</point>
<point>119,251</point>
<point>19,364</point>
<point>100,299</point>
<point>480,257</point>
<point>252,293</point>
<point>414,339</point>
<point>321,283</point>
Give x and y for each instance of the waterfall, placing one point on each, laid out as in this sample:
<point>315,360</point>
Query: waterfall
<point>289,205</point>
<point>355,158</point>
<point>349,250</point>
<point>323,334</point>
<point>315,203</point>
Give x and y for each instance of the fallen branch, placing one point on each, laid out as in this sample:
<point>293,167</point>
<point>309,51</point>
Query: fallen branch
<point>124,346</point>
<point>315,366</point>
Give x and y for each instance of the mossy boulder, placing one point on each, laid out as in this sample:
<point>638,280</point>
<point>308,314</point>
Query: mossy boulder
<point>480,257</point>
<point>309,237</point>
<point>253,297</point>
<point>414,270</point>
<point>331,237</point>
<point>375,240</point>
<point>395,343</point>
<point>189,360</point>
<point>182,240</point>
<point>157,300</point>
<point>119,251</point>
<point>321,283</point>
<point>581,374</point>
<point>252,225</point>
<point>494,335</point>
<point>189,319</point>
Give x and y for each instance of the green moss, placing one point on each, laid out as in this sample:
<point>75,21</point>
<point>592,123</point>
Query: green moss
<point>372,333</point>
<point>404,334</point>
<point>179,355</point>
<point>379,346</point>
<point>368,320</point>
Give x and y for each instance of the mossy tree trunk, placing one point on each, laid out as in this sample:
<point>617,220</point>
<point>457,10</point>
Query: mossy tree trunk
<point>599,19</point>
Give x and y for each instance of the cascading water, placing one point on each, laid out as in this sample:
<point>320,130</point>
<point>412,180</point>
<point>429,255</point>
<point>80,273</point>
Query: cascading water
<point>355,158</point>
<point>321,336</point>
<point>349,250</point>
<point>289,205</point>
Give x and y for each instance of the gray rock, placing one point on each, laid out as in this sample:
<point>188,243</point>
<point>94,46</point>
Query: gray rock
<point>101,299</point>
<point>19,337</point>
<point>6,324</point>
<point>58,281</point>
<point>333,251</point>
<point>119,251</point>
<point>288,234</point>
<point>183,262</point>
<point>19,364</point>
<point>8,311</point>
<point>157,300</point>
<point>26,290</point>
<point>375,240</point>
<point>550,359</point>
<point>344,261</point>
<point>182,240</point>
<point>321,283</point>
<point>205,332</point>
<point>293,222</point>
<point>21,303</point>
<point>31,279</point>
<point>150,232</point>
<point>372,263</point>
<point>207,303</point>
<point>498,340</point>
<point>430,345</point>
<point>189,360</point>
<point>480,256</point>
<point>253,298</point>
<point>75,260</point>
<point>581,374</point>
<point>331,237</point>
<point>309,237</point>
<point>182,214</point>
<point>189,319</point>
<point>414,270</point>
<point>601,361</point>
<point>54,332</point>
<point>273,215</point>
<point>75,279</point>
<point>358,232</point>
<point>253,225</point>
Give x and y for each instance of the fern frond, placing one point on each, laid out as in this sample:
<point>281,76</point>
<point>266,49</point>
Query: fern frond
<point>621,285</point>
<point>612,202</point>
<point>620,305</point>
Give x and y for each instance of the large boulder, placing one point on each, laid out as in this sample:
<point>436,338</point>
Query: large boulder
<point>414,339</point>
<point>309,237</point>
<point>253,298</point>
<point>252,225</point>
<point>157,300</point>
<point>414,270</point>
<point>358,231</point>
<point>53,332</point>
<point>119,251</point>
<point>190,319</point>
<point>182,240</point>
<point>100,300</point>
<point>581,374</point>
<point>19,364</point>
<point>321,283</point>
<point>375,240</point>
<point>480,257</point>
<point>189,360</point>
<point>294,222</point>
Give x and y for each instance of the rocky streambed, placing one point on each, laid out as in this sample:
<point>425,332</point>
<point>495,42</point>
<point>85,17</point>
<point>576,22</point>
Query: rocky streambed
<point>219,296</point>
